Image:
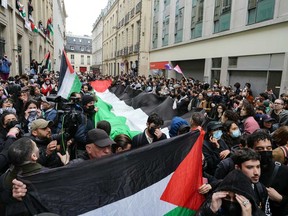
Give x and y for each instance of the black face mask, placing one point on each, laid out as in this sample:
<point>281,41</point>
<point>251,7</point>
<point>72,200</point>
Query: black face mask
<point>266,157</point>
<point>12,124</point>
<point>152,131</point>
<point>90,109</point>
<point>231,208</point>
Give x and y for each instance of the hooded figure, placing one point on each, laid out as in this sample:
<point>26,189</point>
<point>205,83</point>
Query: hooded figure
<point>178,126</point>
<point>234,183</point>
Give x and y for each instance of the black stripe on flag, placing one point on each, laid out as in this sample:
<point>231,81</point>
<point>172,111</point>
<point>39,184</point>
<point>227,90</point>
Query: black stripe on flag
<point>89,185</point>
<point>63,69</point>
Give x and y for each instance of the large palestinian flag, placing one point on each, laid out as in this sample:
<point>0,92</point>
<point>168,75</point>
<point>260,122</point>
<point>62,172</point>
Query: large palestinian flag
<point>158,179</point>
<point>130,183</point>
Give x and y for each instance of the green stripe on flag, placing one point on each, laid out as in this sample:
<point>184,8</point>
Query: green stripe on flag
<point>118,123</point>
<point>179,211</point>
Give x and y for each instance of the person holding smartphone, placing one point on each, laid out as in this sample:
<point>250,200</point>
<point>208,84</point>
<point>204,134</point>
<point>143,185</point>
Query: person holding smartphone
<point>214,148</point>
<point>31,113</point>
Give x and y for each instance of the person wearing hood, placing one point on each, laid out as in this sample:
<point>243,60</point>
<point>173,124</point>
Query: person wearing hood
<point>178,126</point>
<point>274,175</point>
<point>234,196</point>
<point>46,87</point>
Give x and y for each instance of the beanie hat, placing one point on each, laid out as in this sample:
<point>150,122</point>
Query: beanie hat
<point>87,99</point>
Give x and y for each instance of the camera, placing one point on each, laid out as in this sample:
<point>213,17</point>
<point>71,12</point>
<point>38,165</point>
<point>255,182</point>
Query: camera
<point>68,116</point>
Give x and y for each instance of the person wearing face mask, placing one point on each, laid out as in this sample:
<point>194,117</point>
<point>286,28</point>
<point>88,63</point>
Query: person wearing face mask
<point>274,175</point>
<point>234,196</point>
<point>9,132</point>
<point>87,121</point>
<point>214,148</point>
<point>231,134</point>
<point>151,134</point>
<point>46,87</point>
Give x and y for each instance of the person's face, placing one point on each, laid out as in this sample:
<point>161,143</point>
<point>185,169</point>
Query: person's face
<point>278,105</point>
<point>223,118</point>
<point>262,145</point>
<point>252,170</point>
<point>85,88</point>
<point>9,118</point>
<point>37,90</point>
<point>232,128</point>
<point>267,124</point>
<point>91,103</point>
<point>95,151</point>
<point>45,106</point>
<point>243,111</point>
<point>126,148</point>
<point>43,133</point>
<point>32,106</point>
<point>200,97</point>
<point>220,109</point>
<point>230,197</point>
<point>7,103</point>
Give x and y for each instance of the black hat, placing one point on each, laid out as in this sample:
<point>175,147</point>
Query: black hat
<point>213,125</point>
<point>267,118</point>
<point>99,137</point>
<point>87,99</point>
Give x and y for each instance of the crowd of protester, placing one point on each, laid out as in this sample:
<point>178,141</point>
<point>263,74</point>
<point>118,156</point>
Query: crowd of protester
<point>245,142</point>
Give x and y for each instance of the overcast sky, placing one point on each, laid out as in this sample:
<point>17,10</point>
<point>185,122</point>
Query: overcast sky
<point>82,14</point>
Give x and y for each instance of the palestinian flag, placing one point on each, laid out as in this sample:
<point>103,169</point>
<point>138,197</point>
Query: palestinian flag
<point>20,8</point>
<point>50,26</point>
<point>130,183</point>
<point>47,61</point>
<point>35,29</point>
<point>68,81</point>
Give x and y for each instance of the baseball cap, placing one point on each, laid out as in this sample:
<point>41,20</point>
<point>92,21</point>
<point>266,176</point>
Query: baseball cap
<point>99,137</point>
<point>213,125</point>
<point>267,118</point>
<point>40,123</point>
<point>44,99</point>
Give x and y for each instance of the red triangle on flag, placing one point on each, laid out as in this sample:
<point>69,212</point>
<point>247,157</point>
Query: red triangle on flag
<point>182,189</point>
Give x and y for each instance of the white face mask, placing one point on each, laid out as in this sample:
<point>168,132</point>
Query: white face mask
<point>47,82</point>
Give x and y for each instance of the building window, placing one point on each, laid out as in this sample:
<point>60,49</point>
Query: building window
<point>216,62</point>
<point>166,3</point>
<point>197,18</point>
<point>88,60</point>
<point>80,40</point>
<point>222,15</point>
<point>72,59</point>
<point>233,61</point>
<point>261,10</point>
<point>165,31</point>
<point>82,59</point>
<point>72,47</point>
<point>82,49</point>
<point>156,6</point>
<point>155,35</point>
<point>179,22</point>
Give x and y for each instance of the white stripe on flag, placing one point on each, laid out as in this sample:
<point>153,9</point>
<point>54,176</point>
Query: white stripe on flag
<point>67,84</point>
<point>145,202</point>
<point>136,118</point>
